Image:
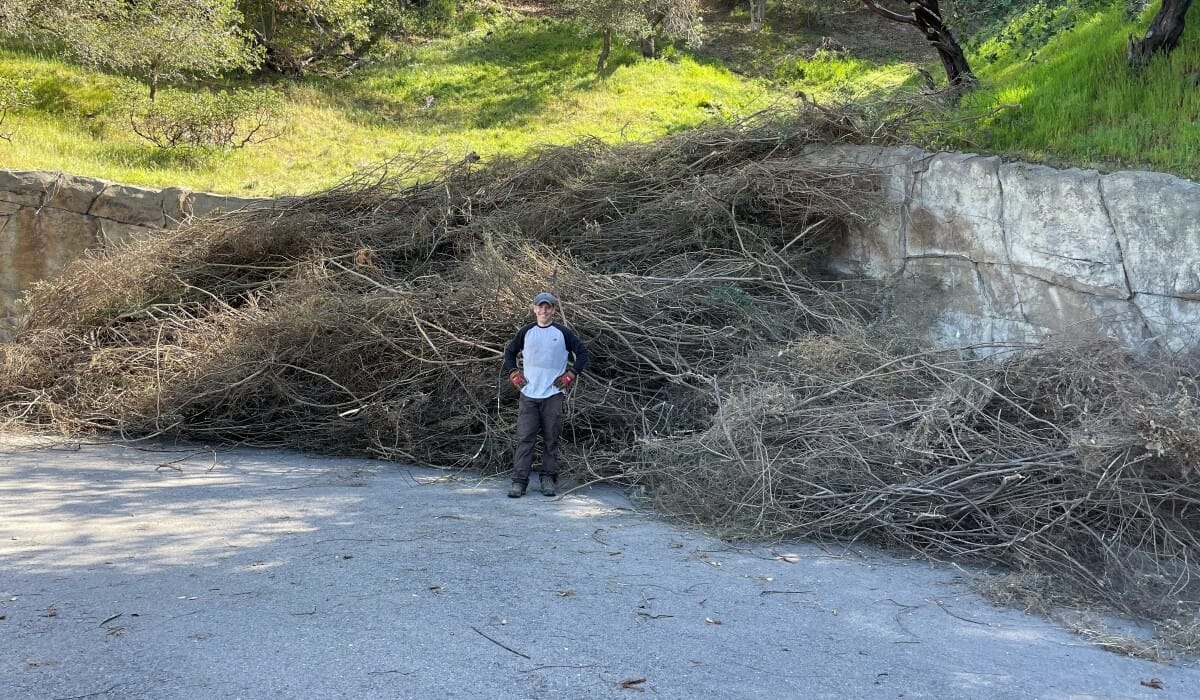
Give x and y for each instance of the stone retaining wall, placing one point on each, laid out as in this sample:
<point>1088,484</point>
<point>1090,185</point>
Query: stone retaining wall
<point>47,219</point>
<point>982,251</point>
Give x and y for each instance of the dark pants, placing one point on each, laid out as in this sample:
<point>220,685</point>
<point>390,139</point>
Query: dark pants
<point>537,416</point>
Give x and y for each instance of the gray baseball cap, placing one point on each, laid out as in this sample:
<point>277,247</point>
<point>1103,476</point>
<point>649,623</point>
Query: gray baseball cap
<point>545,298</point>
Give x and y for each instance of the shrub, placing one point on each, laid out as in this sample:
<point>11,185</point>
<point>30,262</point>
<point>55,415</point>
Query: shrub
<point>427,17</point>
<point>225,120</point>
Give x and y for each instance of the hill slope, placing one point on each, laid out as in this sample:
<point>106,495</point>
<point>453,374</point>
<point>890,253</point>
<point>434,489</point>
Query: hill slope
<point>494,93</point>
<point>1053,88</point>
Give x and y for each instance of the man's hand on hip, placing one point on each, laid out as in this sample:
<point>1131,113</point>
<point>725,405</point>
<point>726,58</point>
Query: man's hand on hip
<point>566,379</point>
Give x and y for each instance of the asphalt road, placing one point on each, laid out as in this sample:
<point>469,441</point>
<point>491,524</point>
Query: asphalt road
<point>131,572</point>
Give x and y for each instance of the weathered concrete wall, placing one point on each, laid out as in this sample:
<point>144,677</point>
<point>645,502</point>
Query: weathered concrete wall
<point>48,219</point>
<point>974,249</point>
<point>983,251</point>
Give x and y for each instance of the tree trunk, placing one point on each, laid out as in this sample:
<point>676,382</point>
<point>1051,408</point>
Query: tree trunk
<point>926,16</point>
<point>758,9</point>
<point>605,46</point>
<point>649,42</point>
<point>1163,34</point>
<point>954,61</point>
<point>649,50</point>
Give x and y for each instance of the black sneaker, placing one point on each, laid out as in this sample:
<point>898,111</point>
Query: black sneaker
<point>516,490</point>
<point>548,484</point>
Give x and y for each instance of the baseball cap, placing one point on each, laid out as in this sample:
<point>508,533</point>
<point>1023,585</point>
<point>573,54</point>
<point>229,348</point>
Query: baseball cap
<point>545,298</point>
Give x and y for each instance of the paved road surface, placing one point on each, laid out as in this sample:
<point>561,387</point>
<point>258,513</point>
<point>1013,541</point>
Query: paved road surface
<point>182,573</point>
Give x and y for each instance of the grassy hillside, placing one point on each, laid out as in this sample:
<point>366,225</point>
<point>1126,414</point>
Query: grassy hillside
<point>1052,80</point>
<point>1080,104</point>
<point>524,84</point>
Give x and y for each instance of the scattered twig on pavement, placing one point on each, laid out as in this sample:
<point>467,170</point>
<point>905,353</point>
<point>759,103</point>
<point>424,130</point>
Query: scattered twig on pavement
<point>502,645</point>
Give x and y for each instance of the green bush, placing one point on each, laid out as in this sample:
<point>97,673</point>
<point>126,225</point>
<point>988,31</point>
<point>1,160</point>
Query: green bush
<point>224,120</point>
<point>425,18</point>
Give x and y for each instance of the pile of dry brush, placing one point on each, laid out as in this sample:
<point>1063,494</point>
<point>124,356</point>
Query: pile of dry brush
<point>733,381</point>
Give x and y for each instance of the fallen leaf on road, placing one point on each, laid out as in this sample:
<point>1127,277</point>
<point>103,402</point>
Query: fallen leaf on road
<point>789,558</point>
<point>631,683</point>
<point>1153,683</point>
<point>711,621</point>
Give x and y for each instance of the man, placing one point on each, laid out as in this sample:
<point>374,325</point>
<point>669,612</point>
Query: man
<point>545,348</point>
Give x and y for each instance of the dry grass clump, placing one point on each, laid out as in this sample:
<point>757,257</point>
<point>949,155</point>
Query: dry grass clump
<point>733,381</point>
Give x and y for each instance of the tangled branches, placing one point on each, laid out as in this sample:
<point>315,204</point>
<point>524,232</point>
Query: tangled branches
<point>370,317</point>
<point>1044,461</point>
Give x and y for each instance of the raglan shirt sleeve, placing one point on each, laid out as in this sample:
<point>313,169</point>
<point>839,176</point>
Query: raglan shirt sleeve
<point>577,348</point>
<point>514,346</point>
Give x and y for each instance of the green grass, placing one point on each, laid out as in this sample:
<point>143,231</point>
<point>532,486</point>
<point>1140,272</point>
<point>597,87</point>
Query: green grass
<point>826,76</point>
<point>533,82</point>
<point>528,83</point>
<point>1081,105</point>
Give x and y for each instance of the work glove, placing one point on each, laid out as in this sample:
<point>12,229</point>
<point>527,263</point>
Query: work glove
<point>517,379</point>
<point>565,380</point>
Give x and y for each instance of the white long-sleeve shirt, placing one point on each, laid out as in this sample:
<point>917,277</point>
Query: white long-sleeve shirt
<point>545,352</point>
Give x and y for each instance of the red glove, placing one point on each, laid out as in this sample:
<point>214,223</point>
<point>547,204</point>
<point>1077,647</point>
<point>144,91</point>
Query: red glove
<point>565,380</point>
<point>517,378</point>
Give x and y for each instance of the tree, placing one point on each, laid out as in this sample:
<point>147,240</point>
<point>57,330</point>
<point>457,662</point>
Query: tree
<point>679,18</point>
<point>1162,35</point>
<point>13,16</point>
<point>28,19</point>
<point>153,39</point>
<point>638,20</point>
<point>608,17</point>
<point>926,16</point>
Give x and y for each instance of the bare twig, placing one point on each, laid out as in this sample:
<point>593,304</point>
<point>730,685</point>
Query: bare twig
<point>500,644</point>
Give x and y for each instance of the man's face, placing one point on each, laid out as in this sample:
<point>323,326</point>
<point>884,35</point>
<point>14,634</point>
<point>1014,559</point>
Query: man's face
<point>544,313</point>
